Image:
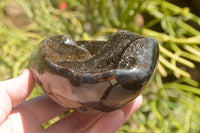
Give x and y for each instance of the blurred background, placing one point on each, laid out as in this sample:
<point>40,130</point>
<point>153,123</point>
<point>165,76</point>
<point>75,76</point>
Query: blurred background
<point>171,101</point>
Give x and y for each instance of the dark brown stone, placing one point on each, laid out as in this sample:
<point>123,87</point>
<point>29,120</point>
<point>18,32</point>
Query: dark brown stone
<point>97,76</point>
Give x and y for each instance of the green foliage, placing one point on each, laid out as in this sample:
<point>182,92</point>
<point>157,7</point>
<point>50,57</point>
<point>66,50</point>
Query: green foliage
<point>167,107</point>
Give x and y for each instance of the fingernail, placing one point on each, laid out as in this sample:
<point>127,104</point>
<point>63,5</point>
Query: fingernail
<point>25,71</point>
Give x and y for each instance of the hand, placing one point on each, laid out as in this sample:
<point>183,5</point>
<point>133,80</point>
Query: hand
<point>20,116</point>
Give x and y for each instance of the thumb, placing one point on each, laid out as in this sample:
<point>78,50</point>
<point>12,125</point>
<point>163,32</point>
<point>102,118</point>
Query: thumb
<point>13,92</point>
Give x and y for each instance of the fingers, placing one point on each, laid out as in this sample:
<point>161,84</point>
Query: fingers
<point>109,123</point>
<point>76,122</point>
<point>112,121</point>
<point>14,91</point>
<point>42,107</point>
<point>96,123</point>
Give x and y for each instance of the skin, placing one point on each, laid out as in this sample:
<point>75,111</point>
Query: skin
<point>20,116</point>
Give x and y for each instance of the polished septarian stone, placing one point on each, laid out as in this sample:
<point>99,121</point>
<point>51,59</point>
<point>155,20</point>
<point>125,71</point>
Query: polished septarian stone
<point>95,76</point>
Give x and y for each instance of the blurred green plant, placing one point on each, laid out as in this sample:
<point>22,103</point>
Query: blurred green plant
<point>170,106</point>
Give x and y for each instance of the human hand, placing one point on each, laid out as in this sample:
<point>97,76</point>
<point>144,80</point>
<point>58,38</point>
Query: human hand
<point>20,116</point>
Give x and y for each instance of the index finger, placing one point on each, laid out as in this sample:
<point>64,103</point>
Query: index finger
<point>14,92</point>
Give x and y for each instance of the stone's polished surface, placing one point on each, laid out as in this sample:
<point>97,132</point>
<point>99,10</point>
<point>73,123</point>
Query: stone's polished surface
<point>94,76</point>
